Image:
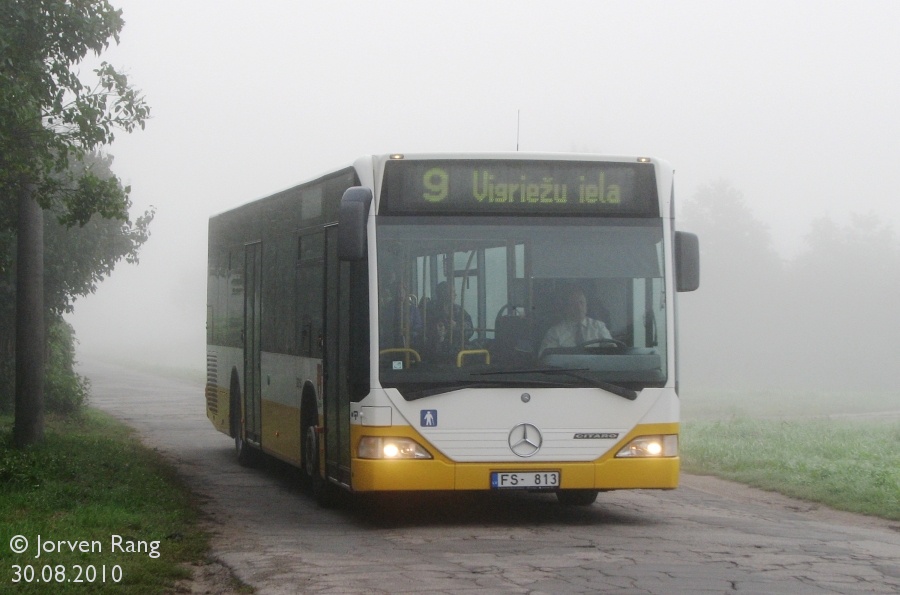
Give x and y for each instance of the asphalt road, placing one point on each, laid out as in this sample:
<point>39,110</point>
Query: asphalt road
<point>708,536</point>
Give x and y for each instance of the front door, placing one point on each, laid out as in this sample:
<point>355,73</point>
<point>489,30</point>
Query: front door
<point>337,368</point>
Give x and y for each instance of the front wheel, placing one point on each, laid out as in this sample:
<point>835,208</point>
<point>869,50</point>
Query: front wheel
<point>310,454</point>
<point>577,497</point>
<point>322,490</point>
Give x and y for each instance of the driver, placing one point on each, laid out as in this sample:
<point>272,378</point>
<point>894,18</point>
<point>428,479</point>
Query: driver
<point>575,328</point>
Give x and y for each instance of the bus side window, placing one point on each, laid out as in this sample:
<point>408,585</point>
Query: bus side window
<point>311,294</point>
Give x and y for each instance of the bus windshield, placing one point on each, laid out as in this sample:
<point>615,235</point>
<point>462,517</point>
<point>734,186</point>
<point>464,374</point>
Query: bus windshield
<point>526,301</point>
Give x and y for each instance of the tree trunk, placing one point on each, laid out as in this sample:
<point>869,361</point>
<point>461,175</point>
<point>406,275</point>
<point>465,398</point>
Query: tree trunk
<point>30,335</point>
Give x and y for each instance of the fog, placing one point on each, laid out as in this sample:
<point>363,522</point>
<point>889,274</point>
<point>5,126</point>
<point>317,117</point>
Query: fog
<point>794,105</point>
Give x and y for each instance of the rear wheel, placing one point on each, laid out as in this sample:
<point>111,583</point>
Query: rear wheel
<point>577,497</point>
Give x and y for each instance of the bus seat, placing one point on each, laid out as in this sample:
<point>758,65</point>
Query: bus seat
<point>512,335</point>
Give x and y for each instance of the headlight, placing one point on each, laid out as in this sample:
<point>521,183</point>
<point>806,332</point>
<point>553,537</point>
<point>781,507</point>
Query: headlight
<point>379,447</point>
<point>651,446</point>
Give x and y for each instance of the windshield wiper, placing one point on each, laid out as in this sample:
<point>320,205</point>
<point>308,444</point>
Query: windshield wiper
<point>615,389</point>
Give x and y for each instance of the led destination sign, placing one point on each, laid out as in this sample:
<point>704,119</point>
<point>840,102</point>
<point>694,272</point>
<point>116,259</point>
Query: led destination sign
<point>519,187</point>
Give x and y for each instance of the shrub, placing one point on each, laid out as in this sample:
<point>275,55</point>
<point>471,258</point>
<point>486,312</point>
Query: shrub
<point>65,392</point>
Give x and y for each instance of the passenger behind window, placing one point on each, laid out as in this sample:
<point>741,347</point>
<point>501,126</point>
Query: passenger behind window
<point>401,323</point>
<point>449,327</point>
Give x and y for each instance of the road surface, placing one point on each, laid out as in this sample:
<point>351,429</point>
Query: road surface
<point>708,536</point>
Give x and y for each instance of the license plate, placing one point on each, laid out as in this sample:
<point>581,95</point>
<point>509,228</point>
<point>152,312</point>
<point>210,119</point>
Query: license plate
<point>511,480</point>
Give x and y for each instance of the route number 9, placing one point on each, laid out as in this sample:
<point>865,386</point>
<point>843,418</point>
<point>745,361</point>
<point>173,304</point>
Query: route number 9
<point>436,183</point>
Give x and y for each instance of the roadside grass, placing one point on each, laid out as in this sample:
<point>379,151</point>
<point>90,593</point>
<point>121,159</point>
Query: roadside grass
<point>709,404</point>
<point>818,448</point>
<point>91,481</point>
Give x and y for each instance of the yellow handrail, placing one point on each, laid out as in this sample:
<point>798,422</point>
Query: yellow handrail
<point>467,352</point>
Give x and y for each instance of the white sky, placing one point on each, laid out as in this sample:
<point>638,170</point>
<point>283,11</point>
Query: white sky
<point>795,103</point>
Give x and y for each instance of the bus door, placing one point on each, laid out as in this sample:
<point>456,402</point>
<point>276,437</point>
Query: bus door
<point>252,327</point>
<point>336,362</point>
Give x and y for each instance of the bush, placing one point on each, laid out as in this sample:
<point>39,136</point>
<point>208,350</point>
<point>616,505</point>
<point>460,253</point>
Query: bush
<point>65,392</point>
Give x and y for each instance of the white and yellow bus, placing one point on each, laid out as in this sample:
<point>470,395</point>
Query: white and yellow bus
<point>412,322</point>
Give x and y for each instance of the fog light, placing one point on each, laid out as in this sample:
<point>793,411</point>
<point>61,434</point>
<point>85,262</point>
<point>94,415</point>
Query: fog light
<point>379,447</point>
<point>651,446</point>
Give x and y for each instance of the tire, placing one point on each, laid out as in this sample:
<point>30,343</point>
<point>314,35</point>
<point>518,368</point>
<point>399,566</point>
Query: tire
<point>321,488</point>
<point>309,467</point>
<point>247,456</point>
<point>577,497</point>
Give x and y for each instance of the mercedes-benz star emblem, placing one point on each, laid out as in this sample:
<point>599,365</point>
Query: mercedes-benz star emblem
<point>525,440</point>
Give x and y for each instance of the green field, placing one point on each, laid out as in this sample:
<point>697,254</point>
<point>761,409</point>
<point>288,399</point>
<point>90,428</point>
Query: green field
<point>92,488</point>
<point>837,449</point>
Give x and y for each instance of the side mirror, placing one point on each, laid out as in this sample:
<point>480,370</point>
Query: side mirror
<point>352,217</point>
<point>687,261</point>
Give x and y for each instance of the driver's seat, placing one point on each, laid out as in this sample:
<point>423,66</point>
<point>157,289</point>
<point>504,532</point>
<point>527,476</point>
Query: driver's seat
<point>512,335</point>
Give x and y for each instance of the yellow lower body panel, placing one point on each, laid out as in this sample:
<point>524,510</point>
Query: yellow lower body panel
<point>605,473</point>
<point>218,408</point>
<point>281,431</point>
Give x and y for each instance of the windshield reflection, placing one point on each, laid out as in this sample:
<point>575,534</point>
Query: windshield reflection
<point>488,302</point>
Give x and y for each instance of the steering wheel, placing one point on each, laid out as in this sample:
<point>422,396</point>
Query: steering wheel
<point>507,308</point>
<point>604,341</point>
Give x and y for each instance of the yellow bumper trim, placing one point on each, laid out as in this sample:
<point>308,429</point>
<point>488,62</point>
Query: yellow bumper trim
<point>440,473</point>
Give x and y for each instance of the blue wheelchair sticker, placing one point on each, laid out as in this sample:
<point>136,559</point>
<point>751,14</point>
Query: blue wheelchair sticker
<point>428,418</point>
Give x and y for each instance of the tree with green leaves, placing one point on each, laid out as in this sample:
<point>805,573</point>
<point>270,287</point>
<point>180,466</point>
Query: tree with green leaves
<point>49,120</point>
<point>76,259</point>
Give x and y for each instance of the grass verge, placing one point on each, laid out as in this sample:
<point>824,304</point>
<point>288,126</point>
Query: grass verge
<point>713,404</point>
<point>105,510</point>
<point>847,465</point>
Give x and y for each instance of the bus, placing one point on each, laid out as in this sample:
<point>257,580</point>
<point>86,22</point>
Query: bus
<point>395,325</point>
